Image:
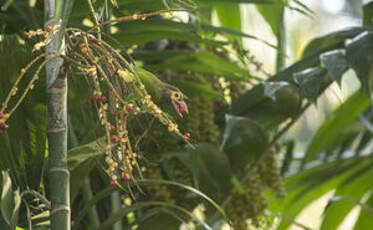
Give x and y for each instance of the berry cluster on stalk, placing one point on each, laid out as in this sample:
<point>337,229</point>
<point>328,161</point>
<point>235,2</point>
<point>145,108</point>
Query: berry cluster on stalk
<point>117,91</point>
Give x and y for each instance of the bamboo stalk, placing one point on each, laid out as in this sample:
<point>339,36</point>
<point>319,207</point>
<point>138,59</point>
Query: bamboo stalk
<point>58,173</point>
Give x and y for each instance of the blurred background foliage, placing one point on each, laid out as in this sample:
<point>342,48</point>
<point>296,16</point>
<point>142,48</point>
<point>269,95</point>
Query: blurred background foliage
<point>279,111</point>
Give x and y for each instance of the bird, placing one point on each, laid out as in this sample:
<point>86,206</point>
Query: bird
<point>161,93</point>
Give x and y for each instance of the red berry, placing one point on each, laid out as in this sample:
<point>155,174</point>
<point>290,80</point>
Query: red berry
<point>129,108</point>
<point>3,126</point>
<point>82,48</point>
<point>103,99</point>
<point>187,135</point>
<point>1,115</point>
<point>113,183</point>
<point>126,178</point>
<point>114,138</point>
<point>112,128</point>
<point>113,113</point>
<point>126,153</point>
<point>96,97</point>
<point>48,29</point>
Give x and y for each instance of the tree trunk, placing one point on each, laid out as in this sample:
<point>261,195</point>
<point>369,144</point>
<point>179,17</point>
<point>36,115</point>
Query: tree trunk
<point>58,173</point>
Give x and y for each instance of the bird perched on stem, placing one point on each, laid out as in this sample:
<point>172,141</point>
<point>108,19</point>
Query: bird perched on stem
<point>162,93</point>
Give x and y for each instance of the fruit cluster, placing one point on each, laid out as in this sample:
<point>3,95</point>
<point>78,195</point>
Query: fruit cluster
<point>201,119</point>
<point>117,91</point>
<point>3,125</point>
<point>248,201</point>
<point>271,176</point>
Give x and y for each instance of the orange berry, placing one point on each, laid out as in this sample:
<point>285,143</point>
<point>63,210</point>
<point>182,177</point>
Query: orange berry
<point>129,107</point>
<point>48,29</point>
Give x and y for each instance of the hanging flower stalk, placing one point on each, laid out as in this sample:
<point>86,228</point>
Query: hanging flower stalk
<point>105,68</point>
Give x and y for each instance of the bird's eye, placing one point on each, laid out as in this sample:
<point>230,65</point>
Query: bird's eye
<point>175,96</point>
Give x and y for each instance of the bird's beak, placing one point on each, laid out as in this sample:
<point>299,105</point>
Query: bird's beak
<point>180,107</point>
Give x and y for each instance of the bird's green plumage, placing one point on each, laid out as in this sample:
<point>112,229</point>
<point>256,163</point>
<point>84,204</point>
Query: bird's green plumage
<point>153,85</point>
<point>159,91</point>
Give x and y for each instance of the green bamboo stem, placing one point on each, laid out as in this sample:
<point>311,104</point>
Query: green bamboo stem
<point>58,174</point>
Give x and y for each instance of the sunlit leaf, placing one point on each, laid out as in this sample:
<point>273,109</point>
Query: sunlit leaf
<point>355,187</point>
<point>305,187</point>
<point>273,15</point>
<point>335,124</point>
<point>365,220</point>
<point>229,16</point>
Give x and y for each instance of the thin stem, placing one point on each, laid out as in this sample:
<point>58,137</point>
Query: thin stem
<point>134,17</point>
<point>31,83</point>
<point>94,18</point>
<point>34,193</point>
<point>21,75</point>
<point>281,41</point>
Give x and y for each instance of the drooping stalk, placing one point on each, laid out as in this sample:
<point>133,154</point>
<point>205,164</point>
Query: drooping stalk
<point>57,173</point>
